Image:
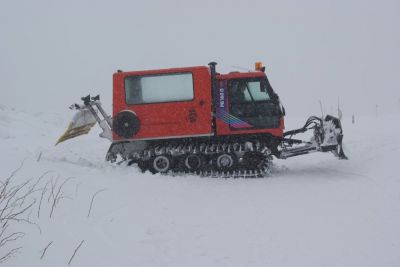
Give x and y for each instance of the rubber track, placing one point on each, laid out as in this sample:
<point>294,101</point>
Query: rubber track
<point>239,149</point>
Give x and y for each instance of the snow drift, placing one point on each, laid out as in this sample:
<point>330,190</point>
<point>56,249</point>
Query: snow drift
<point>313,210</point>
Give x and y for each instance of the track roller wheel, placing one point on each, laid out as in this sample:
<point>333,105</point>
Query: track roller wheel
<point>161,164</point>
<point>193,162</point>
<point>225,161</point>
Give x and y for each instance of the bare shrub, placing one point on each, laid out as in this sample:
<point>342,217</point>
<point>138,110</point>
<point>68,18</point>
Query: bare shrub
<point>17,201</point>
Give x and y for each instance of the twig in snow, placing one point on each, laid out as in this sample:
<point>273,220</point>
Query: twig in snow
<point>73,255</point>
<point>11,237</point>
<point>91,202</point>
<point>41,199</point>
<point>57,196</point>
<point>39,157</point>
<point>45,249</point>
<point>53,187</point>
<point>13,173</point>
<point>77,188</point>
<point>10,254</point>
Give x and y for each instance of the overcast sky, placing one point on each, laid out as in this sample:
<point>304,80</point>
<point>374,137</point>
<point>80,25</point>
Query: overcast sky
<point>52,52</point>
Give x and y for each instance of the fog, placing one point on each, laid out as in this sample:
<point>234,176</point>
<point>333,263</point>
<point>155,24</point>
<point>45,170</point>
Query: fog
<point>53,52</point>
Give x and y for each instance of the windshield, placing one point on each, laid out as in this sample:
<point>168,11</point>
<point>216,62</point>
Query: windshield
<point>253,101</point>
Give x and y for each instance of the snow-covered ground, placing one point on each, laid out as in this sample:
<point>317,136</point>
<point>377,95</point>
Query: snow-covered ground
<point>314,210</point>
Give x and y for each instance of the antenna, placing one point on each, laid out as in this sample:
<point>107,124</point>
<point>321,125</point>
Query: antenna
<point>339,111</point>
<point>322,111</point>
<point>241,68</point>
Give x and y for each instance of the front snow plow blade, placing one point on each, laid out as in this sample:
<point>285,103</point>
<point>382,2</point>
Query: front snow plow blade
<point>333,136</point>
<point>327,137</point>
<point>81,124</point>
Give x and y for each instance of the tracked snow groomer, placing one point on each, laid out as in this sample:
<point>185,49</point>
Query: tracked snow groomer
<point>195,120</point>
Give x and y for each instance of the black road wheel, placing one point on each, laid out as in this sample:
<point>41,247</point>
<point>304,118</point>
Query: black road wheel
<point>160,164</point>
<point>126,124</point>
<point>225,161</point>
<point>193,162</point>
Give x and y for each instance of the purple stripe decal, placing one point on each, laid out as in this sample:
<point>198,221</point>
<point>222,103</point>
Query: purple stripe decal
<point>221,98</point>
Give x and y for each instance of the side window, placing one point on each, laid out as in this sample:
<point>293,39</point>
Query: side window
<point>159,88</point>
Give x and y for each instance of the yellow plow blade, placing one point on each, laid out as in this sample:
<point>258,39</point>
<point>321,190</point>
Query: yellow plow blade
<point>81,124</point>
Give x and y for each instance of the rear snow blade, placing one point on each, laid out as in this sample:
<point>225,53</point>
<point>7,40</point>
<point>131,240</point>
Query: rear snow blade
<point>86,117</point>
<point>81,124</point>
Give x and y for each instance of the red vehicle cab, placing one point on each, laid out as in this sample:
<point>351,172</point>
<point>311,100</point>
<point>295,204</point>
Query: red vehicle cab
<point>194,102</point>
<point>246,104</point>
